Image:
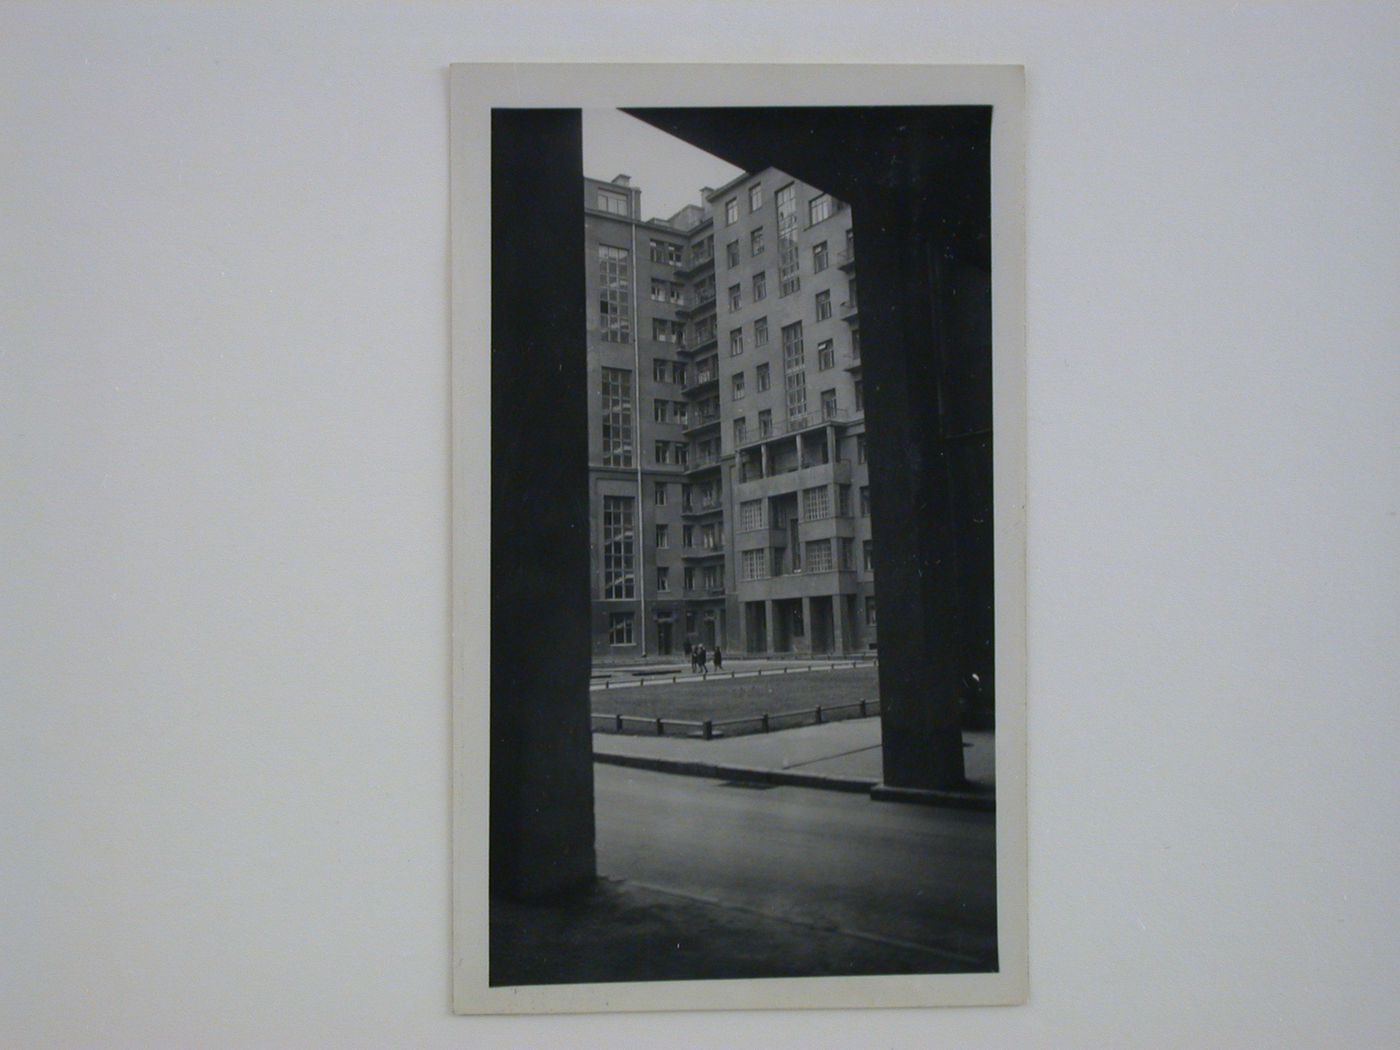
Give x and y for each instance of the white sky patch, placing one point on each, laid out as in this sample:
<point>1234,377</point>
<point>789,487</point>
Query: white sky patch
<point>669,172</point>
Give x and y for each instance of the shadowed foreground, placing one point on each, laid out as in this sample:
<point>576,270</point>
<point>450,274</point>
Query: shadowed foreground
<point>712,880</point>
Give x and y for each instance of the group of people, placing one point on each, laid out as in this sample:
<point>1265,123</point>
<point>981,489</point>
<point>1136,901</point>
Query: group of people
<point>700,659</point>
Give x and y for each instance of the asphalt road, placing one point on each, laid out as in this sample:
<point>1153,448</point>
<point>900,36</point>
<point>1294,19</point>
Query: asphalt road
<point>906,874</point>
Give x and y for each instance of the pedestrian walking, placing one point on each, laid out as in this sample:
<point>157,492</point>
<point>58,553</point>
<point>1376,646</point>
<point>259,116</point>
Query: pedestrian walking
<point>704,659</point>
<point>719,659</point>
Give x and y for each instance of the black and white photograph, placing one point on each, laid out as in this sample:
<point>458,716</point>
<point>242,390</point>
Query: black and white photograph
<point>745,708</point>
<point>617,525</point>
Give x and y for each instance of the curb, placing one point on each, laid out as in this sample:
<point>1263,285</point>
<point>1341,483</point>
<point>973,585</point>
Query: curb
<point>929,797</point>
<point>747,774</point>
<point>876,789</point>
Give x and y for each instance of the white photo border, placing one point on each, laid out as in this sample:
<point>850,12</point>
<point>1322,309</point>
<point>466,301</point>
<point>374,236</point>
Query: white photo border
<point>475,90</point>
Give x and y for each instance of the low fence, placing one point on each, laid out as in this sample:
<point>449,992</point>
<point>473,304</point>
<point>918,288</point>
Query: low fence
<point>708,729</point>
<point>682,677</point>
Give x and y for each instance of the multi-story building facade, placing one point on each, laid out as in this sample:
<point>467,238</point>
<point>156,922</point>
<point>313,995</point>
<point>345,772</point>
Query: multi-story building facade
<point>729,492</point>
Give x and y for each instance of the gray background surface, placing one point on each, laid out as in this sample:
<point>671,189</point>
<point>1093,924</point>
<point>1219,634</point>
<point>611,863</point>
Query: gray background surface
<point>224,784</point>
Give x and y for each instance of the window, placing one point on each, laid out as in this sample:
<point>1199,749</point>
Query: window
<point>794,372</point>
<point>788,279</point>
<point>676,293</point>
<point>678,373</point>
<point>659,289</point>
<point>711,538</point>
<point>826,353</point>
<point>712,578</point>
<point>823,306</point>
<point>818,554</point>
<point>659,493</point>
<point>865,501</point>
<point>660,372</point>
<point>867,551</point>
<point>612,203</point>
<point>735,296</point>
<point>870,612</point>
<point>687,535</point>
<point>663,537</point>
<point>617,417</point>
<point>843,500</point>
<point>741,430</point>
<point>828,404</point>
<point>855,345</point>
<point>731,211</point>
<point>760,286</point>
<point>750,515</point>
<point>731,254</point>
<point>765,423</point>
<point>755,564</point>
<point>661,411</point>
<point>704,331</point>
<point>617,547</point>
<point>756,241</point>
<point>614,294</point>
<point>820,258</point>
<point>620,629</point>
<point>688,577</point>
<point>819,209</point>
<point>816,503</point>
<point>760,378</point>
<point>848,554</point>
<point>755,197</point>
<point>662,457</point>
<point>682,452</point>
<point>679,411</point>
<point>737,381</point>
<point>663,578</point>
<point>860,448</point>
<point>666,252</point>
<point>736,342</point>
<point>860,395</point>
<point>760,332</point>
<point>664,331</point>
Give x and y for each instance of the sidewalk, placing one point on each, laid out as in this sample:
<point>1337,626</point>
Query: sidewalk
<point>840,756</point>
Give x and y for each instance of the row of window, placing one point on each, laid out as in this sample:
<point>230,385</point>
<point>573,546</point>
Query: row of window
<point>616,409</point>
<point>819,208</point>
<point>765,563</point>
<point>821,253</point>
<point>816,504</point>
<point>621,625</point>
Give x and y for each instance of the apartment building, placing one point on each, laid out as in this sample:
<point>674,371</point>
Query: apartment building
<point>728,486</point>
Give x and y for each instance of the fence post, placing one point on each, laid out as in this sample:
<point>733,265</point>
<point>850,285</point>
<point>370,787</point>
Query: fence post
<point>660,731</point>
<point>619,723</point>
<point>819,714</point>
<point>862,708</point>
<point>709,729</point>
<point>765,721</point>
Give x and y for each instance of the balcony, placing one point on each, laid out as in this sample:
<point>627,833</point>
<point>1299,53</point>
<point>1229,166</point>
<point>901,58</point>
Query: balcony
<point>694,263</point>
<point>696,508</point>
<point>694,304</point>
<point>846,259</point>
<point>700,421</point>
<point>849,312</point>
<point>702,379</point>
<point>701,593</point>
<point>701,464</point>
<point>702,552</point>
<point>703,342</point>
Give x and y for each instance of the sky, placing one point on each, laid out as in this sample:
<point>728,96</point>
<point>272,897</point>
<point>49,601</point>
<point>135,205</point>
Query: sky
<point>668,171</point>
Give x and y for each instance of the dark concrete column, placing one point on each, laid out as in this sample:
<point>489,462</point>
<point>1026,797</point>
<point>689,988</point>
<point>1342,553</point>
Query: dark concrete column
<point>913,516</point>
<point>541,747</point>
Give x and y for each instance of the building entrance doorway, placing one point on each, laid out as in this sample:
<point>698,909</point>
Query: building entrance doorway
<point>663,637</point>
<point>821,629</point>
<point>756,627</point>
